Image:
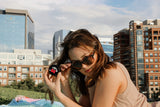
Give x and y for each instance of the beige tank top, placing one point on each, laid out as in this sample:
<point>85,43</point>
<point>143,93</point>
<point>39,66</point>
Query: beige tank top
<point>131,97</point>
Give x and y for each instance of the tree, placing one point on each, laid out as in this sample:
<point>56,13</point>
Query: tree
<point>29,83</point>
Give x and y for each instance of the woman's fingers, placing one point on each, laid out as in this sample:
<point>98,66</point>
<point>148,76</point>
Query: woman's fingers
<point>64,67</point>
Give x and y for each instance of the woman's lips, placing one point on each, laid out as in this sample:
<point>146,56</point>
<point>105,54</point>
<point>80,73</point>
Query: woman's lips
<point>88,70</point>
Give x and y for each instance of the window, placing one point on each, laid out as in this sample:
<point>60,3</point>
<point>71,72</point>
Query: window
<point>36,68</point>
<point>151,60</point>
<point>0,68</point>
<point>141,60</point>
<point>156,66</point>
<point>155,43</point>
<point>151,77</point>
<point>5,75</point>
<point>156,77</point>
<point>139,38</point>
<point>151,83</point>
<point>158,43</point>
<point>155,38</point>
<point>138,27</point>
<point>155,32</point>
<point>24,76</point>
<point>147,66</point>
<point>146,54</point>
<point>156,83</point>
<point>139,43</point>
<point>146,29</point>
<point>151,71</point>
<point>146,60</point>
<point>18,75</point>
<point>158,37</point>
<point>20,57</point>
<point>139,48</point>
<point>18,68</point>
<point>146,33</point>
<point>155,54</point>
<point>31,68</point>
<point>40,75</point>
<point>31,75</point>
<point>36,75</point>
<point>4,81</point>
<point>5,68</point>
<point>11,76</point>
<point>151,54</point>
<point>25,70</point>
<point>156,60</point>
<point>147,71</point>
<point>151,66</point>
<point>155,49</point>
<point>40,68</point>
<point>140,54</point>
<point>147,44</point>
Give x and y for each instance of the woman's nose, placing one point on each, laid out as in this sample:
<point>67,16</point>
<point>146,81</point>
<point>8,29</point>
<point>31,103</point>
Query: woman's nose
<point>84,66</point>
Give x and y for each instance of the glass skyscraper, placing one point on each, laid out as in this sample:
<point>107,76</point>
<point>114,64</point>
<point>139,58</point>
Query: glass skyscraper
<point>16,30</point>
<point>57,39</point>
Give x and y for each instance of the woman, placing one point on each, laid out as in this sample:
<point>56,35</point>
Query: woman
<point>102,83</point>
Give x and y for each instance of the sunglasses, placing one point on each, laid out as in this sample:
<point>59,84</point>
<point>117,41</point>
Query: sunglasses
<point>87,60</point>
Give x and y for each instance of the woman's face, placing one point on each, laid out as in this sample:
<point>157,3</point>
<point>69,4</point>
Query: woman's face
<point>78,53</point>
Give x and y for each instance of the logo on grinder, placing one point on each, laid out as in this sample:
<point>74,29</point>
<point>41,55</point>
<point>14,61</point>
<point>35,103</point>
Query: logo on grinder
<point>53,69</point>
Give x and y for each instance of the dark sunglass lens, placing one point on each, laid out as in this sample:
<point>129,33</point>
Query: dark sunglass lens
<point>77,65</point>
<point>87,60</point>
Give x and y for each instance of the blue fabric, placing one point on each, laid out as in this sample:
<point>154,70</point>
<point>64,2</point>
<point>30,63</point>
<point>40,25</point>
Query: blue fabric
<point>39,103</point>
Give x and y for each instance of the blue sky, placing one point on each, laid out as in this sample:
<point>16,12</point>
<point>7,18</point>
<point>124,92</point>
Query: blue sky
<point>103,17</point>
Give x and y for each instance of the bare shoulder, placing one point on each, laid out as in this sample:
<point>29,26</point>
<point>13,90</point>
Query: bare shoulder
<point>108,85</point>
<point>112,73</point>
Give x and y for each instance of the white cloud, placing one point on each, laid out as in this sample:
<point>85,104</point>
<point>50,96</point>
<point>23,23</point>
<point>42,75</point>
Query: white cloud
<point>52,15</point>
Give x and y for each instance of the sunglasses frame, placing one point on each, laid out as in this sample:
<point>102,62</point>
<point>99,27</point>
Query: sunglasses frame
<point>80,62</point>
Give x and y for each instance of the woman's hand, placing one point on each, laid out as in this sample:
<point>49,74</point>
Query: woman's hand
<point>53,82</point>
<point>65,70</point>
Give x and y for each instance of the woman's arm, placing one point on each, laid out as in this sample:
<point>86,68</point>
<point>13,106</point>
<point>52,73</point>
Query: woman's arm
<point>107,88</point>
<point>66,88</point>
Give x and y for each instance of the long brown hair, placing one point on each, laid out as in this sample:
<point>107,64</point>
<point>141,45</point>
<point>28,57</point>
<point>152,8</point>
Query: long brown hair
<point>83,38</point>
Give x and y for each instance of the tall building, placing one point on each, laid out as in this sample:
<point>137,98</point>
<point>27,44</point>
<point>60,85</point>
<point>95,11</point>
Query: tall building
<point>57,39</point>
<point>22,63</point>
<point>142,53</point>
<point>16,30</point>
<point>121,47</point>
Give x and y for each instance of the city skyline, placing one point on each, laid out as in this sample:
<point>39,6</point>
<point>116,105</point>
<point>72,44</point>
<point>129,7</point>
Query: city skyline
<point>101,17</point>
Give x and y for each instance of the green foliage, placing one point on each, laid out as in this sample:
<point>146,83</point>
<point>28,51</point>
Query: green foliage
<point>7,94</point>
<point>27,84</point>
<point>4,100</point>
<point>41,87</point>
